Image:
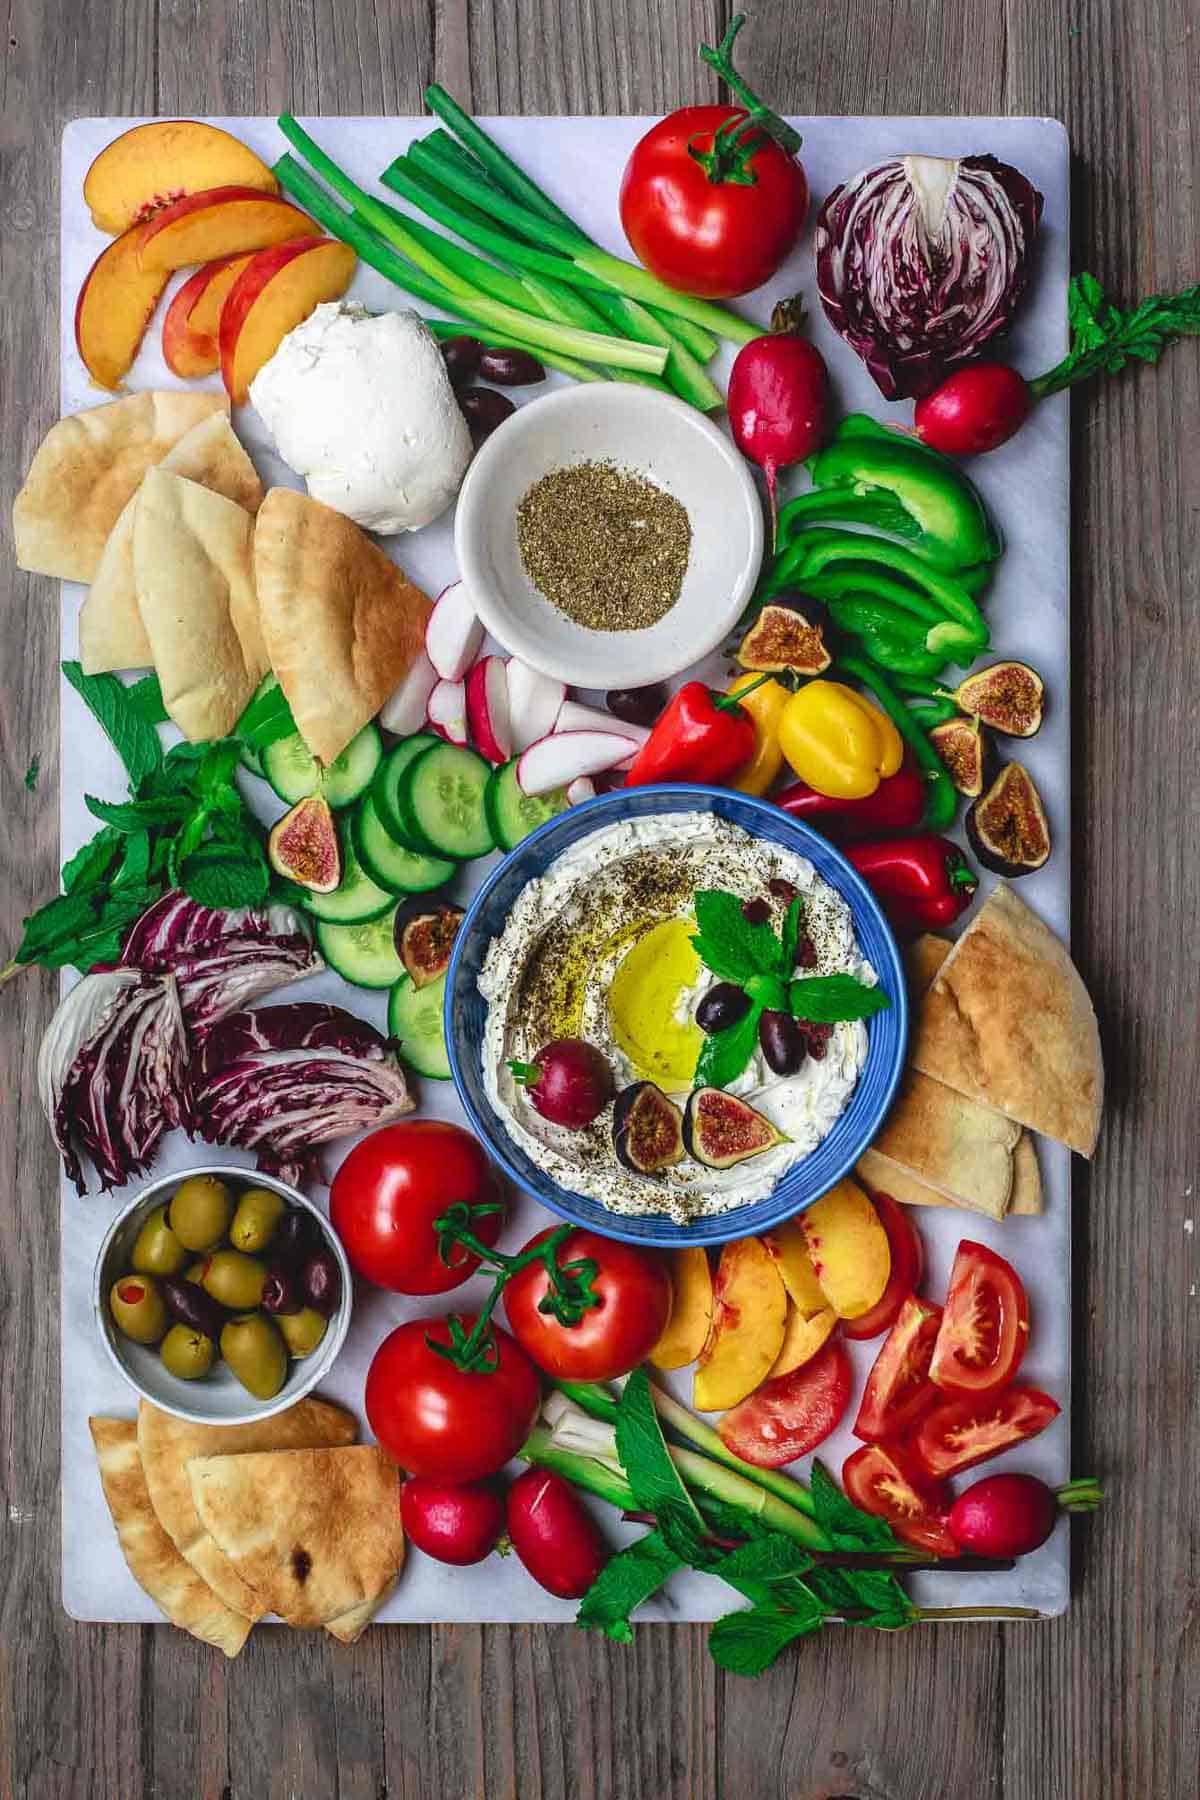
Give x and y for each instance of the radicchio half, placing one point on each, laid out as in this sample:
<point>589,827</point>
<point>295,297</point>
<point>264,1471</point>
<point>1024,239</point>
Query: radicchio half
<point>922,259</point>
<point>111,1073</point>
<point>220,960</point>
<point>284,1078</point>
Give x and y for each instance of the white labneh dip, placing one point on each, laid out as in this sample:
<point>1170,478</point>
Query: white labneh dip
<point>550,974</point>
<point>360,404</point>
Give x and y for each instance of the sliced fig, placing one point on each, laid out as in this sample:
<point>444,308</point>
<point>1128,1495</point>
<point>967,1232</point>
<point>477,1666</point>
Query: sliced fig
<point>424,941</point>
<point>1007,824</point>
<point>647,1129</point>
<point>720,1130</point>
<point>786,637</point>
<point>959,743</point>
<point>304,846</point>
<point>1008,696</point>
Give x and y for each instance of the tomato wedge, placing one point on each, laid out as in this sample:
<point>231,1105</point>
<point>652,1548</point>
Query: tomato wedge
<point>882,1480</point>
<point>985,1325</point>
<point>898,1388</point>
<point>960,1433</point>
<point>908,1264</point>
<point>790,1416</point>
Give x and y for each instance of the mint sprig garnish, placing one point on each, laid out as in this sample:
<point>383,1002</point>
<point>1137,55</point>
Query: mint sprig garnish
<point>829,999</point>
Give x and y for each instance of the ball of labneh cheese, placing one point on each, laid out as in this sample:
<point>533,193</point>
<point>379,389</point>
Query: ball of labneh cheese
<point>360,404</point>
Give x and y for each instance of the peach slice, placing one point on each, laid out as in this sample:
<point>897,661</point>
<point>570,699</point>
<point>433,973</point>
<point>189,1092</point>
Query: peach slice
<point>192,321</point>
<point>691,1312</point>
<point>219,222</point>
<point>114,307</point>
<point>206,314</point>
<point>849,1249</point>
<point>151,166</point>
<point>802,1338</point>
<point>787,1249</point>
<point>275,292</point>
<point>749,1312</point>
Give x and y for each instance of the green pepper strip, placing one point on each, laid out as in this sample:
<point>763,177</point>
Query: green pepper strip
<point>840,506</point>
<point>933,712</point>
<point>941,800</point>
<point>844,584</point>
<point>890,638</point>
<point>852,546</point>
<point>867,457</point>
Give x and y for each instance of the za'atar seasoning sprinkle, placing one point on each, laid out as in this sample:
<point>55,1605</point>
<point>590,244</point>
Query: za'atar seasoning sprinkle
<point>605,546</point>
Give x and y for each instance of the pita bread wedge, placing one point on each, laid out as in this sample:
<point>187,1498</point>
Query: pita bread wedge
<point>86,469</point>
<point>342,624</point>
<point>951,1143</point>
<point>1026,1197</point>
<point>315,1533</point>
<point>923,957</point>
<point>111,633</point>
<point>167,1444</point>
<point>883,1175</point>
<point>1008,1022</point>
<point>194,580</point>
<point>154,1562</point>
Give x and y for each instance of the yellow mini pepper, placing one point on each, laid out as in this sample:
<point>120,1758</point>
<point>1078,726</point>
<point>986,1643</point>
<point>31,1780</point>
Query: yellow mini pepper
<point>838,742</point>
<point>765,706</point>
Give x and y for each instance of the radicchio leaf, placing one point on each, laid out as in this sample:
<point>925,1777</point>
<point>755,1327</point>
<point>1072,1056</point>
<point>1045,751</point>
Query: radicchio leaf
<point>922,259</point>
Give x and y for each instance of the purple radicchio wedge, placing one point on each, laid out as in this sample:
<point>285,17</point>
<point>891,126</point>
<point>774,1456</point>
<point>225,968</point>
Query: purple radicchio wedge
<point>284,1078</point>
<point>922,259</point>
<point>220,960</point>
<point>112,1073</point>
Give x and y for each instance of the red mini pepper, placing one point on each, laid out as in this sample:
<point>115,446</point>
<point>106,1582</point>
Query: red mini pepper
<point>699,736</point>
<point>898,804</point>
<point>923,882</point>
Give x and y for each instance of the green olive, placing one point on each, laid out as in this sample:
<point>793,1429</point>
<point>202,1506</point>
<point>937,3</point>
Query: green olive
<point>303,1330</point>
<point>138,1309</point>
<point>187,1353</point>
<point>233,1279</point>
<point>258,1213</point>
<point>201,1211</point>
<point>195,1271</point>
<point>255,1352</point>
<point>157,1250</point>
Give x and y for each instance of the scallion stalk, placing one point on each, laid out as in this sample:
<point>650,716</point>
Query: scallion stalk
<point>592,1476</point>
<point>444,329</point>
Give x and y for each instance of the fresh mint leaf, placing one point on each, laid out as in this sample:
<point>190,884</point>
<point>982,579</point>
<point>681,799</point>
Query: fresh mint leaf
<point>137,815</point>
<point>135,741</point>
<point>90,864</point>
<point>212,877</point>
<point>847,1525</point>
<point>267,719</point>
<point>747,1643</point>
<point>728,943</point>
<point>790,935</point>
<point>828,999</point>
<point>724,1054</point>
<point>652,1475</point>
<point>135,861</point>
<point>625,1581</point>
<point>773,1557</point>
<point>145,698</point>
<point>874,1592</point>
<point>769,992</point>
<point>32,773</point>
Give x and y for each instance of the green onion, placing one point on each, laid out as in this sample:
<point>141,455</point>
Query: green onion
<point>594,1477</point>
<point>697,1432</point>
<point>444,329</point>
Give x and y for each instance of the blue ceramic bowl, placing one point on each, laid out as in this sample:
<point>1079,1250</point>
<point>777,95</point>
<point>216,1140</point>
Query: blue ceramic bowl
<point>887,1032</point>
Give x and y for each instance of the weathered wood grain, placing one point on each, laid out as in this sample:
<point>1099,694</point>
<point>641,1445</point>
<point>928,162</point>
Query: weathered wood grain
<point>1099,1706</point>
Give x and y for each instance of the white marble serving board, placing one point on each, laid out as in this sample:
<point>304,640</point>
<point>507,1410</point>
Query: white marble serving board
<point>579,161</point>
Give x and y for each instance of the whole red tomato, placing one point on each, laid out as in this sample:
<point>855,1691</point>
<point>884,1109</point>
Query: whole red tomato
<point>448,1423</point>
<point>634,1292</point>
<point>391,1188</point>
<point>710,215</point>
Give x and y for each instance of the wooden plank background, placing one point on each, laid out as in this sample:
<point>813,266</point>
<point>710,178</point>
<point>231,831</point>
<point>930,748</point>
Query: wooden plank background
<point>1101,1705</point>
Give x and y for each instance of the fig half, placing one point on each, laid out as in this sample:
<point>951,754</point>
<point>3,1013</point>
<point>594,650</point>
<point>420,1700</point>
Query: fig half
<point>1008,696</point>
<point>424,941</point>
<point>720,1130</point>
<point>1007,825</point>
<point>786,637</point>
<point>304,847</point>
<point>959,743</point>
<point>647,1129</point>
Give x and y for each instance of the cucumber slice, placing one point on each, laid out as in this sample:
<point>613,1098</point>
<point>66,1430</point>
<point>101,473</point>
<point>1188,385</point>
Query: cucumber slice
<point>251,761</point>
<point>392,865</point>
<point>385,789</point>
<point>416,1020</point>
<point>294,772</point>
<point>363,954</point>
<point>442,801</point>
<point>356,898</point>
<point>512,814</point>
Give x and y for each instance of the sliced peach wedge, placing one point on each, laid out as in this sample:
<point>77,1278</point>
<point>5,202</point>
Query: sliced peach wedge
<point>275,292</point>
<point>691,1311</point>
<point>749,1311</point>
<point>219,222</point>
<point>115,305</point>
<point>848,1247</point>
<point>151,166</point>
<point>192,321</point>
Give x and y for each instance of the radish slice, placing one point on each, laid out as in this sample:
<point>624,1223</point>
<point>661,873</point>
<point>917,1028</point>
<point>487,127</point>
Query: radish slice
<point>446,711</point>
<point>581,789</point>
<point>574,717</point>
<point>559,759</point>
<point>487,709</point>
<point>404,713</point>
<point>453,635</point>
<point>534,701</point>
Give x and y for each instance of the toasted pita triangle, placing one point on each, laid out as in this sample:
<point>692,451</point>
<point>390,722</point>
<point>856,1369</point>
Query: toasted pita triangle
<point>342,624</point>
<point>883,1175</point>
<point>953,1144</point>
<point>111,633</point>
<point>1008,1023</point>
<point>87,468</point>
<point>153,1560</point>
<point>167,1444</point>
<point>315,1533</point>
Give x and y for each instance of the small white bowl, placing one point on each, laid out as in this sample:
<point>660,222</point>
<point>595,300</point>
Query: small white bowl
<point>654,435</point>
<point>219,1397</point>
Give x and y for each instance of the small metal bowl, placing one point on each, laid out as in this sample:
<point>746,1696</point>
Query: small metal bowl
<point>219,1397</point>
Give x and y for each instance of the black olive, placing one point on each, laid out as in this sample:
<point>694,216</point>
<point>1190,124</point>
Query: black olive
<point>188,1302</point>
<point>484,409</point>
<point>461,356</point>
<point>281,1291</point>
<point>321,1282</point>
<point>783,1042</point>
<point>295,1236</point>
<point>756,912</point>
<point>511,368</point>
<point>722,1006</point>
<point>637,706</point>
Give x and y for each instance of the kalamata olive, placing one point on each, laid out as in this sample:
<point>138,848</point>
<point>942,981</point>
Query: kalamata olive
<point>484,409</point>
<point>637,706</point>
<point>510,368</point>
<point>783,1043</point>
<point>756,912</point>
<point>187,1301</point>
<point>321,1282</point>
<point>281,1290</point>
<point>295,1236</point>
<point>461,356</point>
<point>723,1005</point>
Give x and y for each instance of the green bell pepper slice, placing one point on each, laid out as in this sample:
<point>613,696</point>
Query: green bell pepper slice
<point>955,531</point>
<point>958,608</point>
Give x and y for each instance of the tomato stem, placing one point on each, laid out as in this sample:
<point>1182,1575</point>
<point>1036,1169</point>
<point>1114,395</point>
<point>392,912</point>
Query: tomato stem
<point>721,60</point>
<point>570,1290</point>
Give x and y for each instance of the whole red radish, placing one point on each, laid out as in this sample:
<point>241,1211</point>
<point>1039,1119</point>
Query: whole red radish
<point>453,1522</point>
<point>778,401</point>
<point>975,409</point>
<point>1010,1515</point>
<point>569,1082</point>
<point>554,1534</point>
